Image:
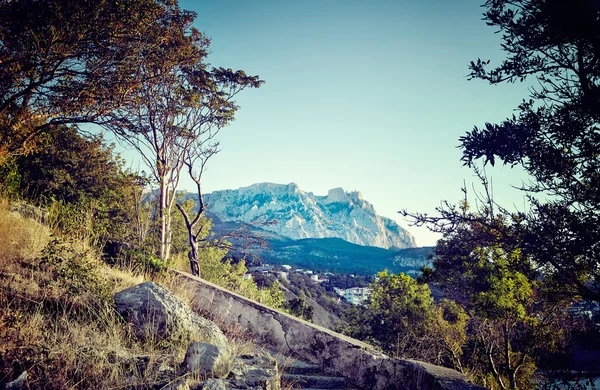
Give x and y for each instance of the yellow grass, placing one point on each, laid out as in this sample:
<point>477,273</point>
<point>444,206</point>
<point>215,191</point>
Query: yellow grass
<point>20,237</point>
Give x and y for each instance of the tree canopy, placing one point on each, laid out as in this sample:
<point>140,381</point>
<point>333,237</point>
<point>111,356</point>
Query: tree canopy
<point>69,61</point>
<point>555,136</point>
<point>514,272</point>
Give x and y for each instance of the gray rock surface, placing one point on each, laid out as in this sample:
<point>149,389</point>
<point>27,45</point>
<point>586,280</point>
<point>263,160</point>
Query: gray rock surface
<point>255,372</point>
<point>216,384</point>
<point>18,384</point>
<point>336,354</point>
<point>157,313</point>
<point>208,360</point>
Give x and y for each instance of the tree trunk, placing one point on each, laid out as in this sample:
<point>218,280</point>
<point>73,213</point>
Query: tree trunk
<point>162,211</point>
<point>193,256</point>
<point>512,372</point>
<point>192,239</point>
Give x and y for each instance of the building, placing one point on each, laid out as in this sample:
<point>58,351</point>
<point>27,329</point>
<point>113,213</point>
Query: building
<point>355,295</point>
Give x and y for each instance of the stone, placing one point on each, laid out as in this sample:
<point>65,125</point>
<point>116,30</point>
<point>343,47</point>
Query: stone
<point>216,384</point>
<point>18,384</point>
<point>208,360</point>
<point>157,313</point>
<point>336,354</point>
<point>258,372</point>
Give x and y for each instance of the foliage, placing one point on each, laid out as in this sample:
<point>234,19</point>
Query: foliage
<point>555,136</point>
<point>299,308</point>
<point>513,322</point>
<point>402,318</point>
<point>57,316</point>
<point>144,261</point>
<point>492,323</point>
<point>514,272</point>
<point>303,286</point>
<point>74,271</point>
<point>348,281</point>
<point>217,269</point>
<point>82,183</point>
<point>9,179</point>
<point>69,61</point>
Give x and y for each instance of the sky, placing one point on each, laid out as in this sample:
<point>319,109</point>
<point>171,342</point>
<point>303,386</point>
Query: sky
<point>370,96</point>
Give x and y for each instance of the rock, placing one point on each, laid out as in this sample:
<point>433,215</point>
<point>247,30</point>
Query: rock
<point>216,384</point>
<point>337,354</point>
<point>300,214</point>
<point>157,313</point>
<point>208,360</point>
<point>258,372</point>
<point>18,384</point>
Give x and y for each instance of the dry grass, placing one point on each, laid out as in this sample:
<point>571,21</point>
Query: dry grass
<point>57,316</point>
<point>119,279</point>
<point>20,238</point>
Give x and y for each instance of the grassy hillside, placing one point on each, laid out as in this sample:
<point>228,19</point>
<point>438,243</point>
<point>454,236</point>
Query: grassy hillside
<point>57,316</point>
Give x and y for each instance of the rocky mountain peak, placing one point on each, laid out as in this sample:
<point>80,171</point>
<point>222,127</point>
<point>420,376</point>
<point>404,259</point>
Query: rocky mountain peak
<point>336,195</point>
<point>298,214</point>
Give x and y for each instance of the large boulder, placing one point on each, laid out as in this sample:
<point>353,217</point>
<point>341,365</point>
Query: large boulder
<point>208,360</point>
<point>157,313</point>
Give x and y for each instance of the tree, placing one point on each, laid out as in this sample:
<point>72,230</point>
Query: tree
<point>69,61</point>
<point>83,173</point>
<point>299,308</point>
<point>172,121</point>
<point>512,321</point>
<point>515,317</point>
<point>402,318</point>
<point>555,137</point>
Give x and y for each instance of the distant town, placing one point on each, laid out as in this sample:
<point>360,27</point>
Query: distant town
<point>352,295</point>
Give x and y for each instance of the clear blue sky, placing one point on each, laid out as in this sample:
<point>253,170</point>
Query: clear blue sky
<point>367,95</point>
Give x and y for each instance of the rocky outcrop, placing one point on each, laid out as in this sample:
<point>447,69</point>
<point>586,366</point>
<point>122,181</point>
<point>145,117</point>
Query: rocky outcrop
<point>254,371</point>
<point>249,372</point>
<point>334,361</point>
<point>336,354</point>
<point>157,313</point>
<point>291,212</point>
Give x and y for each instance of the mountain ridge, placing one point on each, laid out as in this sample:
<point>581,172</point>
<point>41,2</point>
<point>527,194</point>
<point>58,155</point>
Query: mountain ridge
<point>291,212</point>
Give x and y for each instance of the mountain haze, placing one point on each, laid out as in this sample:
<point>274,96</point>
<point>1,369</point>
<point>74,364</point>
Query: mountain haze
<point>293,213</point>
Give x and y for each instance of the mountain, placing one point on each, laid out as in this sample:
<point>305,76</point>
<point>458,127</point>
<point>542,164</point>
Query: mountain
<point>288,211</point>
<point>339,256</point>
<point>319,254</point>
